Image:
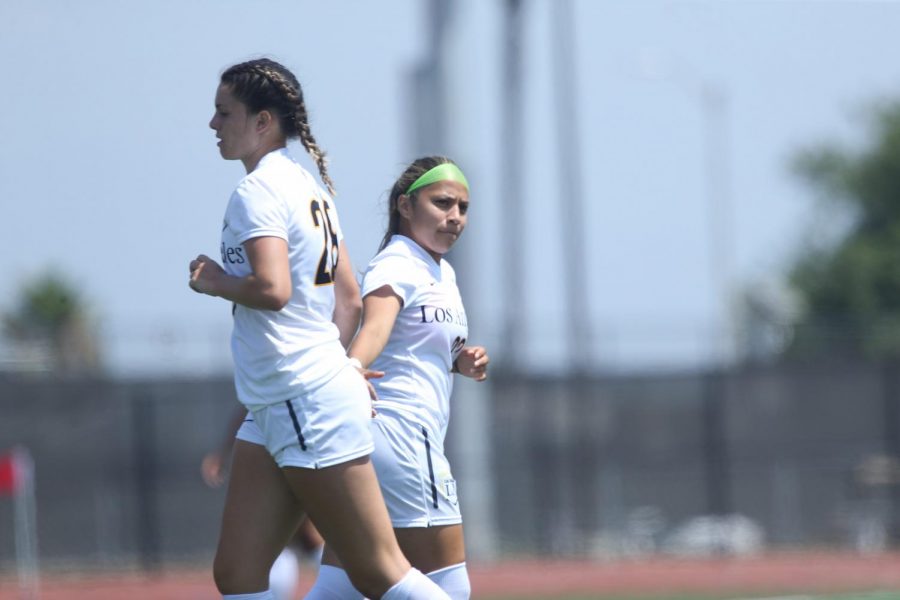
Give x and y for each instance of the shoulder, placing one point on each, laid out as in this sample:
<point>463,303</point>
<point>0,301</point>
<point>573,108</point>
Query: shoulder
<point>399,268</point>
<point>396,256</point>
<point>278,174</point>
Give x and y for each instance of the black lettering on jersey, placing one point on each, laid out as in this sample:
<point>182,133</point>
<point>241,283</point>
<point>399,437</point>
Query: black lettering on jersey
<point>438,314</point>
<point>232,256</point>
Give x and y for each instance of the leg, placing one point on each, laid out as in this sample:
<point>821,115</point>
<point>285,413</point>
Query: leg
<point>332,583</point>
<point>439,552</point>
<point>260,516</point>
<point>432,548</point>
<point>307,542</point>
<point>344,501</point>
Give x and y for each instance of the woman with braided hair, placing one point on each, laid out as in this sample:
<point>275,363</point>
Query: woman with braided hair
<point>284,266</point>
<point>414,330</point>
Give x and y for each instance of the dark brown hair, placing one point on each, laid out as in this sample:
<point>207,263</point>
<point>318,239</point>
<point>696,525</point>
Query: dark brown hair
<point>418,168</point>
<point>264,84</point>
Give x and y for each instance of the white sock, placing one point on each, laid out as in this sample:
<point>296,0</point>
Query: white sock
<point>454,580</point>
<point>332,583</point>
<point>415,586</point>
<point>266,595</point>
<point>284,576</point>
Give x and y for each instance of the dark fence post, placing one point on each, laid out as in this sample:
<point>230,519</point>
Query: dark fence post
<point>891,409</point>
<point>715,445</point>
<point>146,480</point>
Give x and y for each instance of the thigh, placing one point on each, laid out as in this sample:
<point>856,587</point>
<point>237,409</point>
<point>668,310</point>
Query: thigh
<point>345,503</point>
<point>431,548</point>
<point>261,512</point>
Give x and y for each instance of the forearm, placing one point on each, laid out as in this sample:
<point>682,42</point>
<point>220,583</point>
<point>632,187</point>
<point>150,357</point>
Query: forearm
<point>346,317</point>
<point>249,291</point>
<point>368,344</point>
<point>348,305</point>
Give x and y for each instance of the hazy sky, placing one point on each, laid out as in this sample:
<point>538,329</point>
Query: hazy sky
<point>111,175</point>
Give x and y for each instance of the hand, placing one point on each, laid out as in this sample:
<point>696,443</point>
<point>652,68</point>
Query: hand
<point>367,375</point>
<point>472,362</point>
<point>212,470</point>
<point>204,273</point>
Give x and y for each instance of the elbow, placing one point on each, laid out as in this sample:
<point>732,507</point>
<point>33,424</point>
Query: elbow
<point>276,305</point>
<point>355,306</point>
<point>350,305</point>
<point>276,299</point>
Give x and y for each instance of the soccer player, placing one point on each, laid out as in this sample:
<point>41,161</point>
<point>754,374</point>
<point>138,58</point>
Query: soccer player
<point>283,257</point>
<point>414,329</point>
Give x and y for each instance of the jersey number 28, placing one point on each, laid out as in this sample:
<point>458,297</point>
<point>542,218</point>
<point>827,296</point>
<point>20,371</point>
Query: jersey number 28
<point>329,259</point>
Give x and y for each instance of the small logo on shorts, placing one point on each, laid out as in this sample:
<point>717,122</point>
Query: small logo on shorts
<point>450,491</point>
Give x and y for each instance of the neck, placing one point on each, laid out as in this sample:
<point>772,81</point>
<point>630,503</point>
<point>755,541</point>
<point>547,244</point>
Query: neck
<point>437,257</point>
<point>252,161</point>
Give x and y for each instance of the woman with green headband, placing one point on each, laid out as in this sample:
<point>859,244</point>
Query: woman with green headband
<point>414,330</point>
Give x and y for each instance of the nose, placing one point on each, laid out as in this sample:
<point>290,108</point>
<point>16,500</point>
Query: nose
<point>213,123</point>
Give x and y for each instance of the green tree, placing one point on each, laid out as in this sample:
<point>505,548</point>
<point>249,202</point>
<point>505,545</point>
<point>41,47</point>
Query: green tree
<point>49,327</point>
<point>849,285</point>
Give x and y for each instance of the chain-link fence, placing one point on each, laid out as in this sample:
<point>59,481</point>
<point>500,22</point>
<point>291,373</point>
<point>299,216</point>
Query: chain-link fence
<point>721,462</point>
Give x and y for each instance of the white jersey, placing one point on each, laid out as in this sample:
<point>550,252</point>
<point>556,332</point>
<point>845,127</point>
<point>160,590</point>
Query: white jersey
<point>428,335</point>
<point>282,354</point>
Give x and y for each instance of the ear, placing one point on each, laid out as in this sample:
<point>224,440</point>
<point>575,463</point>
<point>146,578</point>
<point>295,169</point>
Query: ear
<point>263,120</point>
<point>404,206</point>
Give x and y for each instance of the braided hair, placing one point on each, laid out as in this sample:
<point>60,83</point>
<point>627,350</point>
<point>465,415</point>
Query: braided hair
<point>418,168</point>
<point>264,84</point>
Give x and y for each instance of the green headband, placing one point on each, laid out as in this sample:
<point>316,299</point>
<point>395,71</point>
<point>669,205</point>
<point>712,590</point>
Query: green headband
<point>442,172</point>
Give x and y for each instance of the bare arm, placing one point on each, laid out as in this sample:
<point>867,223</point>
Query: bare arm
<point>347,303</point>
<point>380,310</point>
<point>267,287</point>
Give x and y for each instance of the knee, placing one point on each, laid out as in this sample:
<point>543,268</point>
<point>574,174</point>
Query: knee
<point>375,572</point>
<point>369,582</point>
<point>235,576</point>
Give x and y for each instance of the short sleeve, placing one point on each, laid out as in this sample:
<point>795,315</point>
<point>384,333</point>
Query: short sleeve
<point>393,271</point>
<point>255,211</point>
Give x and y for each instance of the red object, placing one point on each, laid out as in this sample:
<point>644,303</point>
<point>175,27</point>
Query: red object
<point>10,475</point>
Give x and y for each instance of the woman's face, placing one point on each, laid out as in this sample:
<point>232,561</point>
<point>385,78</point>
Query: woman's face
<point>437,217</point>
<point>234,127</point>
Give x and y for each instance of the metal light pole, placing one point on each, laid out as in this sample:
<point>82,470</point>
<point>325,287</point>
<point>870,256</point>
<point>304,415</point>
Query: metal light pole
<point>513,272</point>
<point>717,145</point>
<point>578,322</point>
<point>469,437</point>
